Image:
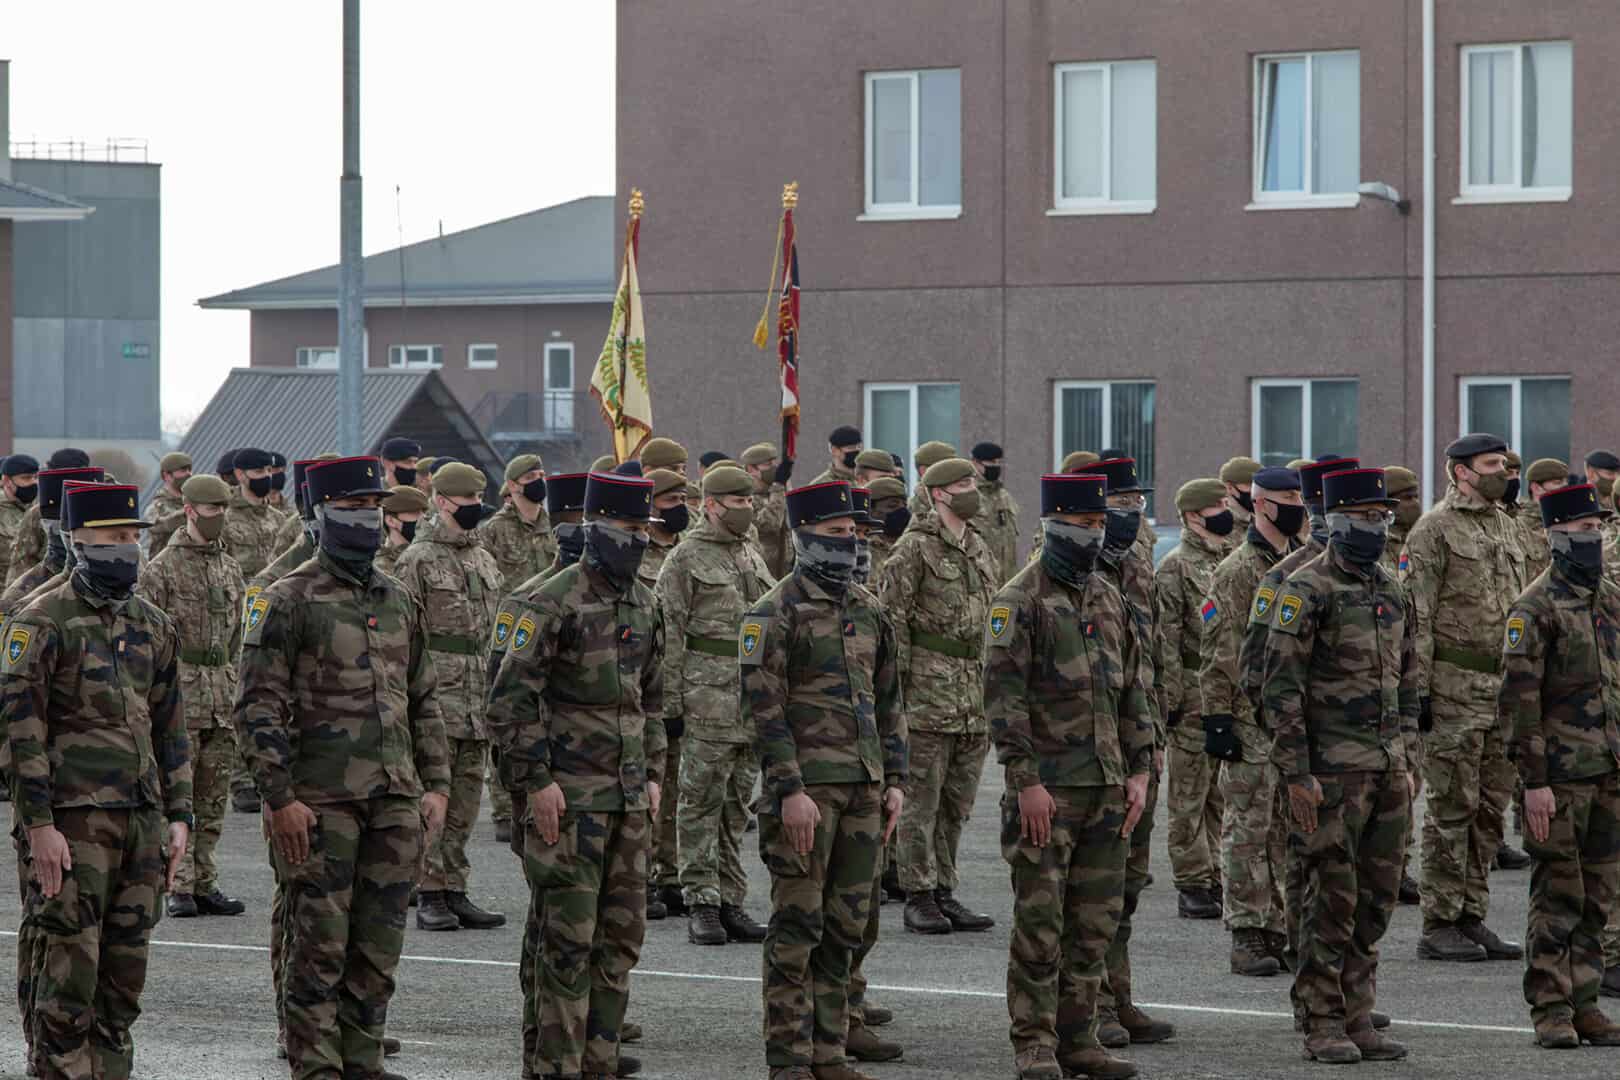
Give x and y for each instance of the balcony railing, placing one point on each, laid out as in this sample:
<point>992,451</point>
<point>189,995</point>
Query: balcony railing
<point>548,416</point>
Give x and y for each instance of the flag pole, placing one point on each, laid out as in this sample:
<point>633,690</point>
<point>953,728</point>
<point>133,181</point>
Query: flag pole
<point>632,250</point>
<point>790,202</point>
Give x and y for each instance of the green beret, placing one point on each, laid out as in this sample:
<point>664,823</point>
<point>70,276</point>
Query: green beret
<point>661,453</point>
<point>727,480</point>
<point>887,487</point>
<point>523,463</point>
<point>424,465</point>
<point>174,461</point>
<point>881,460</point>
<point>1240,471</point>
<point>1078,461</point>
<point>722,463</point>
<point>929,454</point>
<point>405,499</point>
<point>1398,480</point>
<point>759,454</point>
<point>1299,463</point>
<point>1547,471</point>
<point>605,463</point>
<point>1514,461</point>
<point>205,489</point>
<point>947,472</point>
<point>459,478</point>
<point>665,481</point>
<point>1200,494</point>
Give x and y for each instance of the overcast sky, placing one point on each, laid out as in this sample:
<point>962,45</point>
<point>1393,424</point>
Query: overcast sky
<point>476,109</point>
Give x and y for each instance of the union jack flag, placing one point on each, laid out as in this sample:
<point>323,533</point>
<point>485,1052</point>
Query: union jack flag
<point>787,338</point>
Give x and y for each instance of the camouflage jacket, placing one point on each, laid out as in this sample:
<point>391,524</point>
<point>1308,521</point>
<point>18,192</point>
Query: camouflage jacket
<point>997,522</point>
<point>835,472</point>
<point>1560,701</point>
<point>21,590</point>
<point>821,689</point>
<point>338,698</point>
<point>775,538</point>
<point>652,561</point>
<point>91,690</point>
<point>578,700</point>
<point>1232,601</point>
<point>521,549</point>
<point>12,514</point>
<point>289,531</point>
<point>1133,577</point>
<point>200,588</point>
<point>164,505</point>
<point>296,555</point>
<point>387,557</point>
<point>1252,653</point>
<point>1533,540</point>
<point>507,611</point>
<point>937,591</point>
<point>1394,544</point>
<point>1341,689</point>
<point>1063,683</point>
<point>1463,569</point>
<point>459,587</point>
<point>709,581</point>
<point>1179,588</point>
<point>881,548</point>
<point>28,545</point>
<point>162,531</point>
<point>250,534</point>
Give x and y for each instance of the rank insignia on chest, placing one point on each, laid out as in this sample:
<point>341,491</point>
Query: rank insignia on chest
<point>256,612</point>
<point>1262,601</point>
<point>523,634</point>
<point>503,628</point>
<point>1288,610</point>
<point>17,645</point>
<point>1515,632</point>
<point>752,634</point>
<point>1000,619</point>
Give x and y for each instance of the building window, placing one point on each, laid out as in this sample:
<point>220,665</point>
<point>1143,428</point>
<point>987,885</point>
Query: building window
<point>1518,127</point>
<point>1105,137</point>
<point>1532,414</point>
<point>914,144</point>
<point>317,356</point>
<point>559,386</point>
<point>1305,418</point>
<point>415,356</point>
<point>482,356</point>
<point>1307,129</point>
<point>1096,416</point>
<point>902,416</point>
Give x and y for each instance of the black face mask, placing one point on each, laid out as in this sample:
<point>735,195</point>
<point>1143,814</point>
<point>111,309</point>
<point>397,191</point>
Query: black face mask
<point>1245,500</point>
<point>895,522</point>
<point>830,560</point>
<point>570,542</point>
<point>259,485</point>
<point>676,519</point>
<point>351,534</point>
<point>56,548</point>
<point>1070,551</point>
<point>1289,518</point>
<point>614,552</point>
<point>1120,532</point>
<point>1360,542</point>
<point>1578,555</point>
<point>849,458</point>
<point>404,476</point>
<point>992,473</point>
<point>1510,497</point>
<point>535,490</point>
<point>1319,525</point>
<point>1220,524</point>
<point>108,570</point>
<point>407,529</point>
<point>278,481</point>
<point>468,517</point>
<point>26,495</point>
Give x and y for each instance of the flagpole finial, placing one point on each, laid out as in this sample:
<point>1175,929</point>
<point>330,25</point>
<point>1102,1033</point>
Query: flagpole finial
<point>637,203</point>
<point>790,196</point>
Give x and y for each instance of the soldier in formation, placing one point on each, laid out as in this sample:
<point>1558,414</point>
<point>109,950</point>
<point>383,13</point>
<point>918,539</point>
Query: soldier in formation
<point>669,521</point>
<point>28,546</point>
<point>843,447</point>
<point>998,514</point>
<point>19,486</point>
<point>770,477</point>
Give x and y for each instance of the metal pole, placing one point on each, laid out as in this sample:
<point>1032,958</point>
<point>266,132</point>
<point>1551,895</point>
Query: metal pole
<point>1428,253</point>
<point>351,276</point>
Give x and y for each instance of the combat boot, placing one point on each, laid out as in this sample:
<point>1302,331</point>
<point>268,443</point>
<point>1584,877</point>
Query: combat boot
<point>390,1045</point>
<point>1331,1048</point>
<point>470,915</point>
<point>1610,987</point>
<point>503,832</point>
<point>840,1071</point>
<point>1197,904</point>
<point>215,902</point>
<point>1277,946</point>
<point>891,884</point>
<point>629,1032</point>
<point>1379,1020</point>
<point>1110,1032</point>
<point>1446,942</point>
<point>1374,1047</point>
<point>1250,956</point>
<point>628,1066</point>
<point>791,1072</point>
<point>923,915</point>
<point>876,1015</point>
<point>431,914</point>
<point>1410,893</point>
<point>1037,1063</point>
<point>1509,857</point>
<point>862,1045</point>
<point>245,800</point>
<point>1142,1027</point>
<point>655,907</point>
<point>182,906</point>
<point>1096,1062</point>
<point>674,902</point>
<point>739,925</point>
<point>1483,936</point>
<point>959,916</point>
<point>703,926</point>
<point>1557,1033</point>
<point>1595,1028</point>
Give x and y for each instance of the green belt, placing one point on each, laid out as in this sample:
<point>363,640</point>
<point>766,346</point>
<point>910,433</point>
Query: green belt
<point>962,650</point>
<point>459,644</point>
<point>1468,659</point>
<point>713,646</point>
<point>1191,661</point>
<point>214,657</point>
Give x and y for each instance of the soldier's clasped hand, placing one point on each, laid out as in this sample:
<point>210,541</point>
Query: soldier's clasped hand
<point>290,829</point>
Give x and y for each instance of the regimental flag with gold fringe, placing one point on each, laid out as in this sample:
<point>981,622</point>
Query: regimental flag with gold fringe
<point>620,381</point>
<point>787,321</point>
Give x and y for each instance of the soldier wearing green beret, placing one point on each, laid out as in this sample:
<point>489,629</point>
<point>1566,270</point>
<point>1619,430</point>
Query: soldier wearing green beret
<point>1544,475</point>
<point>1402,485</point>
<point>669,521</point>
<point>770,505</point>
<point>1236,476</point>
<point>871,465</point>
<point>519,534</point>
<point>661,453</point>
<point>926,457</point>
<point>174,470</point>
<point>405,510</point>
<point>890,518</point>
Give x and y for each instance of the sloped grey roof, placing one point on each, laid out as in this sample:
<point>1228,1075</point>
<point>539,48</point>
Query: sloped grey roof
<point>561,254</point>
<point>295,412</point>
<point>24,202</point>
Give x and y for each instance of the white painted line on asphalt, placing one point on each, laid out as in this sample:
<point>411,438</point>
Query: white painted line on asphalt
<point>936,991</point>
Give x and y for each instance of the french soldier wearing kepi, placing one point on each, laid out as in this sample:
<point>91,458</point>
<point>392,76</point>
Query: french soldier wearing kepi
<point>339,716</point>
<point>577,713</point>
<point>1561,663</point>
<point>821,690</point>
<point>56,557</point>
<point>1341,703</point>
<point>99,762</point>
<point>1069,714</point>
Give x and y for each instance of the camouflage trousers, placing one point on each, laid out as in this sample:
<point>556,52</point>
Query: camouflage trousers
<point>213,756</point>
<point>1195,806</point>
<point>92,943</point>
<point>1469,783</point>
<point>28,944</point>
<point>1115,992</point>
<point>819,911</point>
<point>500,800</point>
<point>1254,844</point>
<point>345,925</point>
<point>664,868</point>
<point>869,936</point>
<point>529,956</point>
<point>445,864</point>
<point>1067,899</point>
<point>280,932</point>
<point>1611,940</point>
<point>1573,887</point>
<point>944,781</point>
<point>1351,872</point>
<point>717,782</point>
<point>591,890</point>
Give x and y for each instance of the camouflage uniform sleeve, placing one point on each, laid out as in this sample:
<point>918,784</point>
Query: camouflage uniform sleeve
<point>891,714</point>
<point>429,745</point>
<point>171,746</point>
<point>264,701</point>
<point>1169,585</point>
<point>518,719</point>
<point>654,738</point>
<point>1223,630</point>
<point>1425,569</point>
<point>764,705</point>
<point>1140,727</point>
<point>1518,703</point>
<point>153,585</point>
<point>673,591</point>
<point>897,592</point>
<point>1006,688</point>
<point>1408,695</point>
<point>1287,665</point>
<point>24,700</point>
<point>17,562</point>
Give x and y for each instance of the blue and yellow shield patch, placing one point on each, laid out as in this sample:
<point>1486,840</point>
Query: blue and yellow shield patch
<point>752,634</point>
<point>1000,619</point>
<point>503,628</point>
<point>1288,610</point>
<point>523,634</point>
<point>256,611</point>
<point>1515,632</point>
<point>1262,601</point>
<point>17,645</point>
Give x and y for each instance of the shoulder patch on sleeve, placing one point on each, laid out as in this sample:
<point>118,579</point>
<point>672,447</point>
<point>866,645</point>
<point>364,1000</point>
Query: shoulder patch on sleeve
<point>503,628</point>
<point>1516,635</point>
<point>1264,597</point>
<point>17,643</point>
<point>1289,609</point>
<point>258,607</point>
<point>523,633</point>
<point>751,640</point>
<point>1000,620</point>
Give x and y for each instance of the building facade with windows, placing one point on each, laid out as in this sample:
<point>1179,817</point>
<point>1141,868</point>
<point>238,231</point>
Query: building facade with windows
<point>1135,224</point>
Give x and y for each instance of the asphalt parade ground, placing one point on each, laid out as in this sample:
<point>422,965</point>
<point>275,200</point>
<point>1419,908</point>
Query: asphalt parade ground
<point>207,1012</point>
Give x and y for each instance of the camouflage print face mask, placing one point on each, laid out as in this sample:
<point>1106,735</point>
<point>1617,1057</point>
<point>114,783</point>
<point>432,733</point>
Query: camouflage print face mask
<point>614,551</point>
<point>570,541</point>
<point>110,569</point>
<point>828,559</point>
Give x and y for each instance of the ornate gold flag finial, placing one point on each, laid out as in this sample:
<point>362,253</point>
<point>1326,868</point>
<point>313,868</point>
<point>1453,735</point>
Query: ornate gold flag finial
<point>790,196</point>
<point>637,203</point>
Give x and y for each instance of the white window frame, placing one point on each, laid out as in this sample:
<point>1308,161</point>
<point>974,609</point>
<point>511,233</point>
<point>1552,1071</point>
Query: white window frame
<point>1467,382</point>
<point>912,210</point>
<point>309,350</point>
<point>555,396</point>
<point>483,365</point>
<point>1107,388</point>
<point>403,353</point>
<point>912,387</point>
<point>1292,200</point>
<point>1476,194</point>
<point>1066,207</point>
<point>1306,435</point>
